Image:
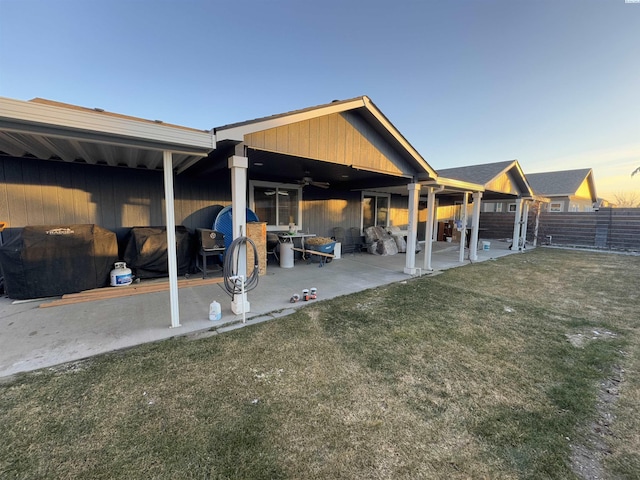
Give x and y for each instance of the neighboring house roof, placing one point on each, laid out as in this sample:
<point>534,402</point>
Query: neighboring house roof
<point>481,174</point>
<point>362,107</point>
<point>500,177</point>
<point>565,183</point>
<point>603,203</point>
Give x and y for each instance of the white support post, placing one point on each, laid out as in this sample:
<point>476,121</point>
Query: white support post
<point>517,223</point>
<point>435,219</point>
<point>537,225</point>
<point>475,222</point>
<point>463,232</point>
<point>167,165</point>
<point>239,166</point>
<point>414,199</point>
<point>428,237</point>
<point>525,221</point>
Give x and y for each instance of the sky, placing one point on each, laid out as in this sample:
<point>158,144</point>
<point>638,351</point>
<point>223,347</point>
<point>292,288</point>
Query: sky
<point>554,84</point>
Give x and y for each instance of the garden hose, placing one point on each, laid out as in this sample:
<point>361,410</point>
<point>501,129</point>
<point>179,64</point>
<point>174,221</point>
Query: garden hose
<point>232,284</point>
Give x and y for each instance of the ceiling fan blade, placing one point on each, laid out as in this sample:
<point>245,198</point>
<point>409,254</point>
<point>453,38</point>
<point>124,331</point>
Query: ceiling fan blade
<point>320,184</point>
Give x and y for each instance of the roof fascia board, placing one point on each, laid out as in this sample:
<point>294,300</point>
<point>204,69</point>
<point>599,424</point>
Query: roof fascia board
<point>28,114</point>
<point>237,133</point>
<point>399,138</point>
<point>456,184</point>
<point>592,185</point>
<point>102,138</point>
<point>529,191</point>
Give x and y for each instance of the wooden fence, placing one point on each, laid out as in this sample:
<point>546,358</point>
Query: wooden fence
<point>607,228</point>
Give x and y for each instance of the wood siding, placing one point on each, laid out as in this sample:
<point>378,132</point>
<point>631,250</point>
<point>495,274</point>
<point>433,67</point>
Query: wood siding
<point>321,215</point>
<point>503,184</point>
<point>38,192</point>
<point>341,138</point>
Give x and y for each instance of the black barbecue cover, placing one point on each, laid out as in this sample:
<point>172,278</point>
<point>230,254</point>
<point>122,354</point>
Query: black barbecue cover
<point>146,251</point>
<point>50,260</point>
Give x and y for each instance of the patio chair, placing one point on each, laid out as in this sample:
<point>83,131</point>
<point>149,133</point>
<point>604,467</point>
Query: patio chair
<point>340,236</point>
<point>272,245</point>
<point>356,239</point>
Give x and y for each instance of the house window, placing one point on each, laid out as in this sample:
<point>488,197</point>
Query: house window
<point>498,207</point>
<point>375,210</point>
<point>512,207</point>
<point>277,204</point>
<point>555,207</point>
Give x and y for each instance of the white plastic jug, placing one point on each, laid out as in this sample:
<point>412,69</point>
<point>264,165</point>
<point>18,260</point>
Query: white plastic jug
<point>215,312</point>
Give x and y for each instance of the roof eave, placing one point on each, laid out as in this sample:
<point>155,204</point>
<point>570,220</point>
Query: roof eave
<point>454,184</point>
<point>21,116</point>
<point>399,137</point>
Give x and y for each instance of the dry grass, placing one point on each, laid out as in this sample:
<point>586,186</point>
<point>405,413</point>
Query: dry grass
<point>469,374</point>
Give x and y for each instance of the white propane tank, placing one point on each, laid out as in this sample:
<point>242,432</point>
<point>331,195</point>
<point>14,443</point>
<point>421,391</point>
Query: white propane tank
<point>121,275</point>
<point>215,312</point>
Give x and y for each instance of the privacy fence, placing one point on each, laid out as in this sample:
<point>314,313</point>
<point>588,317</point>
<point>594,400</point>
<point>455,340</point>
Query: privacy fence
<point>608,228</point>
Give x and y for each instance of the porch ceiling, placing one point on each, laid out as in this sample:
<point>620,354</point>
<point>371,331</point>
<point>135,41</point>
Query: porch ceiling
<point>274,167</point>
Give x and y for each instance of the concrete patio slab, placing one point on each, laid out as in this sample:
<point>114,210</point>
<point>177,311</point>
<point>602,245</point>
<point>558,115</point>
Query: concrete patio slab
<point>34,338</point>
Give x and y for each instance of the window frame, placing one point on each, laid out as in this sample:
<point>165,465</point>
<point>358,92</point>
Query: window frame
<point>375,195</point>
<point>276,186</point>
<point>557,209</point>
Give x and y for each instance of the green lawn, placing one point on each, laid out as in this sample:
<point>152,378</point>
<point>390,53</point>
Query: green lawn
<point>493,370</point>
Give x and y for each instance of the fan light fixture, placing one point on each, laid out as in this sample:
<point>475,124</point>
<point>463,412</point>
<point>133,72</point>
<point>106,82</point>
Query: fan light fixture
<point>307,180</point>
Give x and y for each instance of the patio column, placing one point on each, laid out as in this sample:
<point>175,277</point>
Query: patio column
<point>525,220</point>
<point>412,233</point>
<point>435,219</point>
<point>463,232</point>
<point>428,236</point>
<point>517,223</point>
<point>537,224</point>
<point>167,165</point>
<point>475,222</point>
<point>239,166</point>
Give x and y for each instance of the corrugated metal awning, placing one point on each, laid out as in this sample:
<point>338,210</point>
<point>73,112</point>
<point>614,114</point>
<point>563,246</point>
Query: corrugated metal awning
<point>55,131</point>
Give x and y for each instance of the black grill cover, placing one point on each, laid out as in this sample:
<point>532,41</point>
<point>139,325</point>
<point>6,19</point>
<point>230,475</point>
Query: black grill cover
<point>146,251</point>
<point>50,260</point>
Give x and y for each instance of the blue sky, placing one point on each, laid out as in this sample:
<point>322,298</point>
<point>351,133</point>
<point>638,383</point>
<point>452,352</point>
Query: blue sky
<point>552,83</point>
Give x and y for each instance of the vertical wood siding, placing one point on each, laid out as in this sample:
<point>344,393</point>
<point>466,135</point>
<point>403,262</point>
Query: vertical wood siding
<point>344,139</point>
<point>37,192</point>
<point>320,215</point>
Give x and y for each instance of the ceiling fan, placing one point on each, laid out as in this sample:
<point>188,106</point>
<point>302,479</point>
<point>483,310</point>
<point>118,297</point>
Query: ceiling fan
<point>307,180</point>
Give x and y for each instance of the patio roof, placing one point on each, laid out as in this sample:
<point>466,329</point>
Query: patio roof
<point>60,132</point>
<point>57,131</point>
<point>349,144</point>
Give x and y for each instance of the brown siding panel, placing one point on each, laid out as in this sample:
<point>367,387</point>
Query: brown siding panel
<point>271,139</point>
<point>335,138</point>
<point>38,192</point>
